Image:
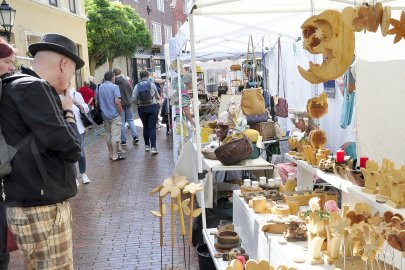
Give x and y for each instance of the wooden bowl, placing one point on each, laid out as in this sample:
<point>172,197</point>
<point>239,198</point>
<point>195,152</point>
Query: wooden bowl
<point>228,238</point>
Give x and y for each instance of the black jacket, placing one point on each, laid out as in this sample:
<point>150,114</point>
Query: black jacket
<point>126,91</point>
<point>31,105</point>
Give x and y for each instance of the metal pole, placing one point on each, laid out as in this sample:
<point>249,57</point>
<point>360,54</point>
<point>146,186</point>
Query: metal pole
<point>180,102</point>
<point>196,114</point>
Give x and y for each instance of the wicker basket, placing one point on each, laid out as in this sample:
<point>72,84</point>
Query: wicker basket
<point>209,153</point>
<point>266,129</point>
<point>234,151</point>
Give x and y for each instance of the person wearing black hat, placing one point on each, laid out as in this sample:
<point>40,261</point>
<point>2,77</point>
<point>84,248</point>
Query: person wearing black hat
<point>36,110</point>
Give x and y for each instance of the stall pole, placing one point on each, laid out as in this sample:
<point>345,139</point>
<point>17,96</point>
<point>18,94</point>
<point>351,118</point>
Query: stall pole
<point>196,114</point>
<point>180,102</point>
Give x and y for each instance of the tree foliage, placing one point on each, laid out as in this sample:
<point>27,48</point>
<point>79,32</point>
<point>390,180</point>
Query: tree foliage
<point>113,30</point>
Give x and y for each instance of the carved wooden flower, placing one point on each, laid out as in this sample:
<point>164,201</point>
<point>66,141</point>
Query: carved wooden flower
<point>361,21</point>
<point>173,185</point>
<point>159,214</point>
<point>192,188</point>
<point>373,243</point>
<point>399,28</point>
<point>339,228</point>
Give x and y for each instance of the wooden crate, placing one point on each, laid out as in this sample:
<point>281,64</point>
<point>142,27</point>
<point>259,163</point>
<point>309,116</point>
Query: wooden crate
<point>266,129</point>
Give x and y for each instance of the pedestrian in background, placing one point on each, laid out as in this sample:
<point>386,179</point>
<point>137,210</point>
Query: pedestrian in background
<point>146,96</point>
<point>7,57</point>
<point>43,179</point>
<point>126,102</point>
<point>80,105</point>
<point>88,94</point>
<point>109,96</point>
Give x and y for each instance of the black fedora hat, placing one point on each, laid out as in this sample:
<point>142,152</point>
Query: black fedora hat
<point>60,44</point>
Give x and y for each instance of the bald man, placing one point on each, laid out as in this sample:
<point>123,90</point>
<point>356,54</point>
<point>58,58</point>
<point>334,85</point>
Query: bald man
<point>37,119</point>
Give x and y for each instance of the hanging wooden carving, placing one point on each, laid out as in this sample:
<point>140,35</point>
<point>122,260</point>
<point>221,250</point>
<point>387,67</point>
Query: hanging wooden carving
<point>318,106</point>
<point>327,34</point>
<point>385,21</point>
<point>399,28</point>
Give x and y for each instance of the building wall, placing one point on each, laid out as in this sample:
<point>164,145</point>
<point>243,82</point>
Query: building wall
<point>36,17</point>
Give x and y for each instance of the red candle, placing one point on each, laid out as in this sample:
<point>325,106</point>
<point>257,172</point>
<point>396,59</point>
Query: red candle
<point>340,156</point>
<point>363,161</point>
<point>241,259</point>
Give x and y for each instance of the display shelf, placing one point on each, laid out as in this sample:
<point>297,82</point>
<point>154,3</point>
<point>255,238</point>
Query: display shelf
<point>209,239</point>
<point>352,193</point>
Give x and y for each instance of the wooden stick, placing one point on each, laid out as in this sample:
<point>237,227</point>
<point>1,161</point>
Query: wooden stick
<point>183,228</point>
<point>191,219</point>
<point>172,223</point>
<point>161,220</point>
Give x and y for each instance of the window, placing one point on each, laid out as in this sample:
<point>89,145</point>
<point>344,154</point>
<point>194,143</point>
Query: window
<point>168,33</point>
<point>157,33</point>
<point>72,6</point>
<point>78,73</point>
<point>161,5</point>
<point>53,3</point>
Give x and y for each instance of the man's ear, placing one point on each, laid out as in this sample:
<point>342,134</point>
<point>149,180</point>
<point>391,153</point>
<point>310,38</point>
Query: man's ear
<point>64,64</point>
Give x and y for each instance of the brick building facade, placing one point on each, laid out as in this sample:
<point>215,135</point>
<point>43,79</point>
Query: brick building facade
<point>162,18</point>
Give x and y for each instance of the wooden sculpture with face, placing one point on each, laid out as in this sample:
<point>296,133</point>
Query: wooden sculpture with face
<point>329,35</point>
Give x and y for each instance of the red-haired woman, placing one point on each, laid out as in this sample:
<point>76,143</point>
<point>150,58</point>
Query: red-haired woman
<point>7,56</point>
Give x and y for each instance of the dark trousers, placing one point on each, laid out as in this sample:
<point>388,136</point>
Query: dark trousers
<point>149,116</point>
<point>4,255</point>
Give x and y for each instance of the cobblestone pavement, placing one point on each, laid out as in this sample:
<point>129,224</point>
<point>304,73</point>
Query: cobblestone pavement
<point>112,225</point>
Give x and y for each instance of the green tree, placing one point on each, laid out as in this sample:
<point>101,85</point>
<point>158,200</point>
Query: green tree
<point>113,30</point>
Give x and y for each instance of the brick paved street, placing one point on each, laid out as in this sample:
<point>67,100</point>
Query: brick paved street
<point>112,226</point>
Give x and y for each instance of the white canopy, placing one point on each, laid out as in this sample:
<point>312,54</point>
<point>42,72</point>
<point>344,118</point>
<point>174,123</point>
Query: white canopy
<point>222,27</point>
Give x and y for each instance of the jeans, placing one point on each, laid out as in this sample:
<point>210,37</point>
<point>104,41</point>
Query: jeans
<point>82,159</point>
<point>4,255</point>
<point>128,116</point>
<point>149,117</point>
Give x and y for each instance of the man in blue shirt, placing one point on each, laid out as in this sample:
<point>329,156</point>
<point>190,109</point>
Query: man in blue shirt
<point>109,97</point>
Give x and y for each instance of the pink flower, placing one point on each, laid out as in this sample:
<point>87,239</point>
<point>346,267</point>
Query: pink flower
<point>314,204</point>
<point>332,207</point>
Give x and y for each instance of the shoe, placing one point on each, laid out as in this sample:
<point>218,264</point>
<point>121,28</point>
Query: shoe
<point>85,179</point>
<point>154,151</point>
<point>135,141</point>
<point>123,143</point>
<point>119,158</point>
<point>147,148</point>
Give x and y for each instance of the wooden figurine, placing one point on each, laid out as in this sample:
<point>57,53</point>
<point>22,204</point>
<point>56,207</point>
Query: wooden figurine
<point>370,180</point>
<point>384,186</point>
<point>397,199</point>
<point>314,248</point>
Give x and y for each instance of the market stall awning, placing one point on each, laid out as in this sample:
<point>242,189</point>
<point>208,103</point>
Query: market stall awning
<point>222,27</point>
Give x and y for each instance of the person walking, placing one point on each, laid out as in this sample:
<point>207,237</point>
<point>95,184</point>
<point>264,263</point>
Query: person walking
<point>146,96</point>
<point>80,105</point>
<point>126,102</point>
<point>109,96</point>
<point>7,57</point>
<point>43,179</point>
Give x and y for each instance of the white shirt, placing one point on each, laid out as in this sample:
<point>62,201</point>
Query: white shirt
<point>78,99</point>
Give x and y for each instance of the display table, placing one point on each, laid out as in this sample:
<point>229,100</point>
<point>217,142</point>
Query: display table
<point>350,193</point>
<point>216,166</point>
<point>260,245</point>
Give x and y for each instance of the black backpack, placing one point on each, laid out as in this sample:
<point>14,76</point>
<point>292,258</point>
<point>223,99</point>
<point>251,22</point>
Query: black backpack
<point>144,93</point>
<point>8,152</point>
